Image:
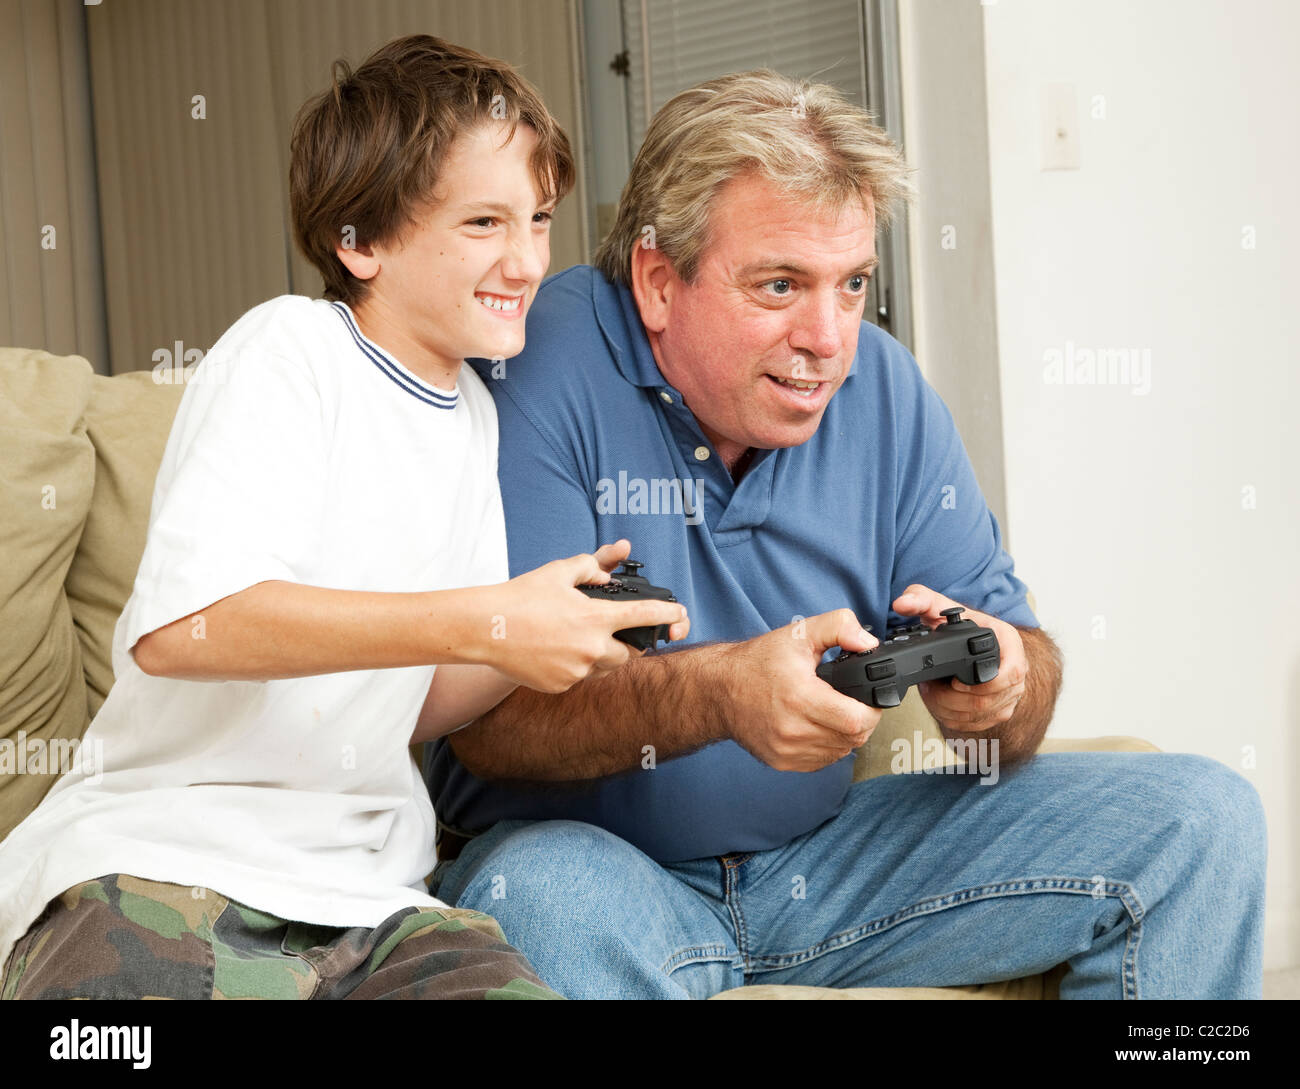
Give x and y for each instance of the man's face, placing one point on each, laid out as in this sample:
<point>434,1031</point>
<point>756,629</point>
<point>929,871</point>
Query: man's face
<point>761,341</point>
<point>460,280</point>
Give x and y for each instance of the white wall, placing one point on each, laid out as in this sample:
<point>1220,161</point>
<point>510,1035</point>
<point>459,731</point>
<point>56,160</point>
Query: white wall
<point>1159,529</point>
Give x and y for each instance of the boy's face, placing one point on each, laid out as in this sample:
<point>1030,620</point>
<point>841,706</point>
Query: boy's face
<point>461,278</point>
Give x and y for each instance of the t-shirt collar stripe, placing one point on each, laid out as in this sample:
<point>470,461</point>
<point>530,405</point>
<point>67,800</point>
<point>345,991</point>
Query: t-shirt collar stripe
<point>390,367</point>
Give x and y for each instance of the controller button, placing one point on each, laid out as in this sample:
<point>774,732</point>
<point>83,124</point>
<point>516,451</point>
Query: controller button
<point>981,644</point>
<point>953,614</point>
<point>985,670</point>
<point>885,695</point>
<point>878,671</point>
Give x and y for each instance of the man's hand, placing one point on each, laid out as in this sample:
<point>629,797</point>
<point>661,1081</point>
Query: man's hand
<point>1015,707</point>
<point>780,711</point>
<point>966,708</point>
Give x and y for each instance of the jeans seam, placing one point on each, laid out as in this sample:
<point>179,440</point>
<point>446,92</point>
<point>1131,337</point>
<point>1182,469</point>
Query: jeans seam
<point>1125,893</point>
<point>731,896</point>
<point>696,954</point>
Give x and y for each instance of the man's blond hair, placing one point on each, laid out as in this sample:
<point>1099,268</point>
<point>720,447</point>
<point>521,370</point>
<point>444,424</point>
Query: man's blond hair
<point>804,137</point>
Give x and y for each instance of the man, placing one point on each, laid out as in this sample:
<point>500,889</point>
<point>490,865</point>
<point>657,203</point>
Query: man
<point>689,824</point>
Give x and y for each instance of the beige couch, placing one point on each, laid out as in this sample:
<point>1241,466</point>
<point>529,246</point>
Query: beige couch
<point>78,456</point>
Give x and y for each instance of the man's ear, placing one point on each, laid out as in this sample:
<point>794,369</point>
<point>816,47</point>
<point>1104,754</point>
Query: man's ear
<point>654,282</point>
<point>361,261</point>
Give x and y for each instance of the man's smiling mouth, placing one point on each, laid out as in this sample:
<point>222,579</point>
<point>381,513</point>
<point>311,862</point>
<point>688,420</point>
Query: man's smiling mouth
<point>799,386</point>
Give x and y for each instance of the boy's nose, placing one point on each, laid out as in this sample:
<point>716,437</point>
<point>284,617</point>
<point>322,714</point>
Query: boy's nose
<point>524,261</point>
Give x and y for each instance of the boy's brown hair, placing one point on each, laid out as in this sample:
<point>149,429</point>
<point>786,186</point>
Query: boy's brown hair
<point>367,153</point>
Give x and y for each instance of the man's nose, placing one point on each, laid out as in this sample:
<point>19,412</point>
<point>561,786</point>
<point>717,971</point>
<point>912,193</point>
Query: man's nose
<point>817,327</point>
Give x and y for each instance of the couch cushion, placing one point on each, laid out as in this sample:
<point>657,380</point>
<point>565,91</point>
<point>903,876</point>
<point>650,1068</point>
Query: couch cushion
<point>127,420</point>
<point>47,471</point>
<point>1044,986</point>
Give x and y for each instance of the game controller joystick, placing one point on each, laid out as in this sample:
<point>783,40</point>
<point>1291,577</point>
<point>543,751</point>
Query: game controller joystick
<point>627,585</point>
<point>914,653</point>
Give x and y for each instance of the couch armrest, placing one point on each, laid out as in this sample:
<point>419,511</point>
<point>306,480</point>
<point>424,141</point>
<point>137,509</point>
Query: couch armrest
<point>1110,743</point>
<point>911,724</point>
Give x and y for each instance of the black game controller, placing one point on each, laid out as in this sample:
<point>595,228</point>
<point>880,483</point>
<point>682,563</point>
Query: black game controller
<point>881,677</point>
<point>626,585</point>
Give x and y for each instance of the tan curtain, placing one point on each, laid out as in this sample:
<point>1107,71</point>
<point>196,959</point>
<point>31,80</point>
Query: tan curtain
<point>51,287</point>
<point>188,172</point>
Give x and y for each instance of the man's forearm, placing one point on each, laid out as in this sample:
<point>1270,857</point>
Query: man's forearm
<point>1019,737</point>
<point>670,702</point>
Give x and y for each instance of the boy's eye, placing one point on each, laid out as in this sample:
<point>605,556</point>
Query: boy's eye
<point>543,217</point>
<point>483,221</point>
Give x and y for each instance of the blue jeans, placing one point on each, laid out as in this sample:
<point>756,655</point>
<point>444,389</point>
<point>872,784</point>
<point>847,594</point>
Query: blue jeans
<point>1143,871</point>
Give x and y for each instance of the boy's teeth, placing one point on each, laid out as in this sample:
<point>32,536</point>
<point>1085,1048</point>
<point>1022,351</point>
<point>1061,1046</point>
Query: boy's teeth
<point>493,303</point>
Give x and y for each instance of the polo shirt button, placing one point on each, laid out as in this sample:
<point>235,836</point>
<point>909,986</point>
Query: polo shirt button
<point>667,398</point>
<point>701,453</point>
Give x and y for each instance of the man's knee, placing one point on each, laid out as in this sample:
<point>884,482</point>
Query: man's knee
<point>544,864</point>
<point>1200,797</point>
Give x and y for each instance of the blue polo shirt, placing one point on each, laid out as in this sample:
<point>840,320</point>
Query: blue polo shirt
<point>595,445</point>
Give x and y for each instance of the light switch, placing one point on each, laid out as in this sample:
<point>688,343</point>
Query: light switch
<point>1060,127</point>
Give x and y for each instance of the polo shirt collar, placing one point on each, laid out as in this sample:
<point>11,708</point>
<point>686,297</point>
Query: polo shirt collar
<point>620,325</point>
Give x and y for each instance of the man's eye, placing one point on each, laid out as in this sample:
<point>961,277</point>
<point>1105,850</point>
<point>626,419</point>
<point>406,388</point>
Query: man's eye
<point>780,287</point>
<point>857,284</point>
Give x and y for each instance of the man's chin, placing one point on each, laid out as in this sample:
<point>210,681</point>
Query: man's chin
<point>779,437</point>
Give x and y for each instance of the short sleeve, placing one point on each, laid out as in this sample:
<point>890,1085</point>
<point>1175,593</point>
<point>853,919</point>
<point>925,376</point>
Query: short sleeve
<point>948,538</point>
<point>547,508</point>
<point>240,495</point>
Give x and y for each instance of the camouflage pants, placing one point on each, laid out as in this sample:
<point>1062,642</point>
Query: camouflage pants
<point>123,937</point>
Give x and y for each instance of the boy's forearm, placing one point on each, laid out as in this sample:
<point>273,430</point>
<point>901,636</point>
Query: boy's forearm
<point>459,694</point>
<point>672,703</point>
<point>277,629</point>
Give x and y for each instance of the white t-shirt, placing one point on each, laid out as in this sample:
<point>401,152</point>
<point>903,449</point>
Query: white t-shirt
<point>302,452</point>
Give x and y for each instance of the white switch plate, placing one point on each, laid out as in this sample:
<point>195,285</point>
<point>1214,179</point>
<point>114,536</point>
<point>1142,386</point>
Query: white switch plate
<point>1060,127</point>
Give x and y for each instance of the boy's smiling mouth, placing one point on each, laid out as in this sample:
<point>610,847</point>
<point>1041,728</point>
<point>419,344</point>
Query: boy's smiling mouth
<point>505,305</point>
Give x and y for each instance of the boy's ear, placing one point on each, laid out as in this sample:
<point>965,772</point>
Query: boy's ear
<point>653,283</point>
<point>359,260</point>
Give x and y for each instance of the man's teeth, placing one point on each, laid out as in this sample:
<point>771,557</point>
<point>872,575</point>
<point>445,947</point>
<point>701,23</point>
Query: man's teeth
<point>494,302</point>
<point>804,389</point>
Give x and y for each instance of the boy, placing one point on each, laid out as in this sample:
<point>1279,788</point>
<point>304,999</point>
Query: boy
<point>326,530</point>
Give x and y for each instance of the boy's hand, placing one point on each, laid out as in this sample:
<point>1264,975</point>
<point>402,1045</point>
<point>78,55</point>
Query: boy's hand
<point>548,635</point>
